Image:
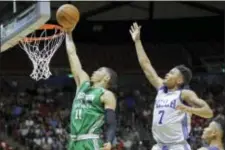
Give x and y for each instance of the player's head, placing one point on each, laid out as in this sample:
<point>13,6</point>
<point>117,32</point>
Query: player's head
<point>106,77</point>
<point>215,130</point>
<point>178,77</point>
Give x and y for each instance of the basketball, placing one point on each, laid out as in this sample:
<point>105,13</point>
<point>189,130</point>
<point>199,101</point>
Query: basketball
<point>67,16</point>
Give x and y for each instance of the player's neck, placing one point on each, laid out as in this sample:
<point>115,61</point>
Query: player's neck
<point>172,89</point>
<point>98,85</point>
<point>217,143</point>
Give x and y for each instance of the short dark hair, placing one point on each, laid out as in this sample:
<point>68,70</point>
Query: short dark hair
<point>186,73</point>
<point>113,79</point>
<point>220,119</point>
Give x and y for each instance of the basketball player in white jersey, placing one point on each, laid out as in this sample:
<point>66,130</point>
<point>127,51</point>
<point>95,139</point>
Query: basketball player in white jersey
<point>214,134</point>
<point>171,118</point>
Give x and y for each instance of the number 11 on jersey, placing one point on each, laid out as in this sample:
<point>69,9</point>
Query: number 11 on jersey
<point>78,114</point>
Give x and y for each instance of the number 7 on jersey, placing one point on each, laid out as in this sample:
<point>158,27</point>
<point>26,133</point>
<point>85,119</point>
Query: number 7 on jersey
<point>161,112</point>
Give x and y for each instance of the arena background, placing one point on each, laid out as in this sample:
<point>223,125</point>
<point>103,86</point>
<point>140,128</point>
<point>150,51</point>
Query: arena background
<point>190,33</point>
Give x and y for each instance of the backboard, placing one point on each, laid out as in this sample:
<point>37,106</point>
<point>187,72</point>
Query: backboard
<point>25,17</point>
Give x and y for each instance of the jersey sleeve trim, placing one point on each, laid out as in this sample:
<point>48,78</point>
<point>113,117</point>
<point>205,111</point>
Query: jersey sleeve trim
<point>182,100</point>
<point>180,96</point>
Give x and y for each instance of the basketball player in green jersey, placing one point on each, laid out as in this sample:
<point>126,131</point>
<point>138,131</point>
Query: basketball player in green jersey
<point>93,106</point>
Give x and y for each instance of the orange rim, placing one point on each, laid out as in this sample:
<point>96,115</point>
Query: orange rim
<point>45,27</point>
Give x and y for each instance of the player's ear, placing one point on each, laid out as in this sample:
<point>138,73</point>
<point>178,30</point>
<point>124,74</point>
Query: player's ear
<point>107,77</point>
<point>180,80</point>
<point>214,133</point>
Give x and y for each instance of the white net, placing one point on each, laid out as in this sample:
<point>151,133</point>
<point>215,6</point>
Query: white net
<point>40,49</point>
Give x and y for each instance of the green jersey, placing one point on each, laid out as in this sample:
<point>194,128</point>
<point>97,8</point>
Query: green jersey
<point>87,115</point>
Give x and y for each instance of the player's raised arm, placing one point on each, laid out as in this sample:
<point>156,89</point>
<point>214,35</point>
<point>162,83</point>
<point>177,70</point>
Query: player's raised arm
<point>200,107</point>
<point>109,101</point>
<point>76,68</point>
<point>143,59</point>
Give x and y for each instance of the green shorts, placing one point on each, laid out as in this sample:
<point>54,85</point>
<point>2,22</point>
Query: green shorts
<point>89,144</point>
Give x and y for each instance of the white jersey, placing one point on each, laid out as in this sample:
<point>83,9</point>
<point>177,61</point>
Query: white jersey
<point>170,125</point>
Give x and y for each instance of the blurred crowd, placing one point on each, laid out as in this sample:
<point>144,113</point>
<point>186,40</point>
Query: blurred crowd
<point>35,118</point>
<point>38,117</point>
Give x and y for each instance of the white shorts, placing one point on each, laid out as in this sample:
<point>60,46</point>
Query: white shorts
<point>183,146</point>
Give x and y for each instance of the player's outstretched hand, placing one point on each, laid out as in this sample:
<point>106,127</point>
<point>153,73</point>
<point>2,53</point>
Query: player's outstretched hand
<point>107,146</point>
<point>184,108</point>
<point>135,31</point>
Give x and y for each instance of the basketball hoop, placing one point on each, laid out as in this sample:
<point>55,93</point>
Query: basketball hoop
<point>40,47</point>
